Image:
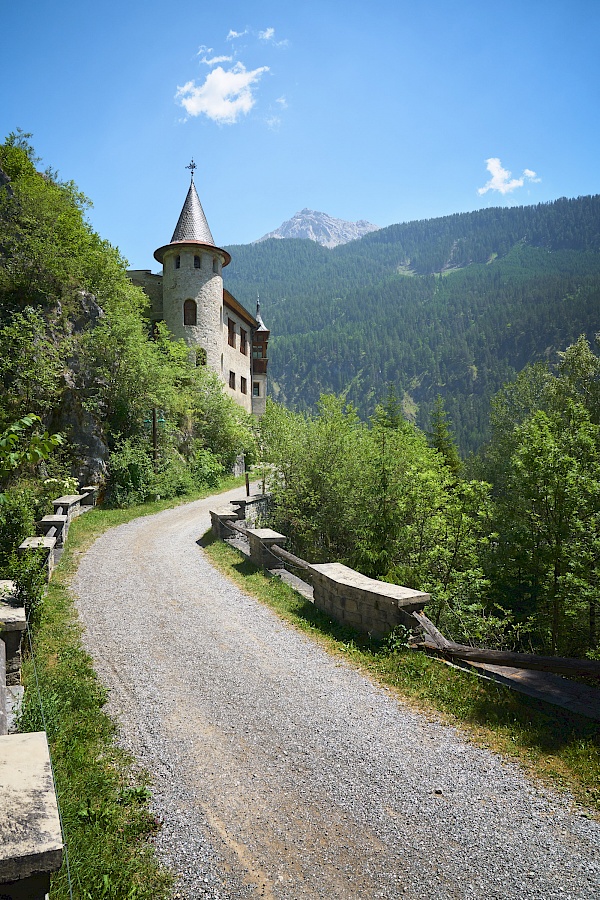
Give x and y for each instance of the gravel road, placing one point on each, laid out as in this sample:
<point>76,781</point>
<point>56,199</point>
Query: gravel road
<point>284,774</point>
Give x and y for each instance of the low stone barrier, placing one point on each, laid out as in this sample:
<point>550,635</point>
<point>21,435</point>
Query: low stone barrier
<point>371,606</point>
<point>55,526</point>
<point>219,519</point>
<point>12,627</point>
<point>3,694</point>
<point>31,845</point>
<point>374,607</point>
<point>252,508</point>
<point>43,545</point>
<point>89,495</point>
<point>69,505</point>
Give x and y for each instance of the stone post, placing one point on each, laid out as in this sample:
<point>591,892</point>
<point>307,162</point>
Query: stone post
<point>260,539</point>
<point>12,627</point>
<point>219,520</point>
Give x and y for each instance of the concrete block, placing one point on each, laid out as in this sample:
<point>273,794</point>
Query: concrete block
<point>41,543</point>
<point>69,505</point>
<point>30,836</point>
<point>12,626</point>
<point>89,495</point>
<point>60,524</point>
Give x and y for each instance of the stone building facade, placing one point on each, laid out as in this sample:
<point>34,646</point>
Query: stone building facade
<point>189,297</point>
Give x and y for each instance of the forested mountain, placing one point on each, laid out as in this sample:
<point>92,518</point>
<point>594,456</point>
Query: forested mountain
<point>452,306</point>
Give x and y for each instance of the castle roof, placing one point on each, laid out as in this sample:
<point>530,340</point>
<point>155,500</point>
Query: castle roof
<point>192,228</point>
<point>192,224</point>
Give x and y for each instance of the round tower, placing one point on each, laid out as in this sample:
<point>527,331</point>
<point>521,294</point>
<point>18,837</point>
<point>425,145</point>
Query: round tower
<point>193,281</point>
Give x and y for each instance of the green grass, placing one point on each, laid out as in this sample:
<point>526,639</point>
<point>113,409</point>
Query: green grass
<point>560,747</point>
<point>102,794</point>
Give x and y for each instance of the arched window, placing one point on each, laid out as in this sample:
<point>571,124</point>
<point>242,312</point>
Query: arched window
<point>215,265</point>
<point>190,313</point>
<point>177,261</point>
<point>197,262</point>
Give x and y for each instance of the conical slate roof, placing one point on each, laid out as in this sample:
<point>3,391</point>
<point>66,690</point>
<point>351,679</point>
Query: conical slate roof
<point>192,224</point>
<point>192,228</point>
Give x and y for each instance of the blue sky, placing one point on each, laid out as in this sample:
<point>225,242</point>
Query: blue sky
<point>385,111</point>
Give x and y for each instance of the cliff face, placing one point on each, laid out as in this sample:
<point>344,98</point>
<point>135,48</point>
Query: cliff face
<point>321,228</point>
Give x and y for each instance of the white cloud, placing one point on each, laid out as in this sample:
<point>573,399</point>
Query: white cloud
<point>223,96</point>
<point>203,49</point>
<point>282,102</point>
<point>531,175</point>
<point>235,34</point>
<point>269,35</point>
<point>273,122</point>
<point>215,59</point>
<point>501,179</point>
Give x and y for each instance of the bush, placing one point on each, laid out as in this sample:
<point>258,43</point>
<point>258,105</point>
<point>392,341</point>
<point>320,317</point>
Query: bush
<point>206,469</point>
<point>17,521</point>
<point>130,476</point>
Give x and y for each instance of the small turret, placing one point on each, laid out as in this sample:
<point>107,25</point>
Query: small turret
<point>260,360</point>
<point>192,280</point>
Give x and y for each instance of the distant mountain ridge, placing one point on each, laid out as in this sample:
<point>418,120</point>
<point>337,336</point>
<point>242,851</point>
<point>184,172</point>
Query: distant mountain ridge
<point>454,306</point>
<point>321,228</point>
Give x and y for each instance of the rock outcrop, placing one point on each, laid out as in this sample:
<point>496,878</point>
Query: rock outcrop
<point>320,227</point>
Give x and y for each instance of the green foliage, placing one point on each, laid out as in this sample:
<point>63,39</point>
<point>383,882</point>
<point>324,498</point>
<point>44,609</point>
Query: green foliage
<point>452,307</point>
<point>20,446</point>
<point>543,461</point>
<point>130,476</point>
<point>378,498</point>
<point>17,521</point>
<point>76,347</point>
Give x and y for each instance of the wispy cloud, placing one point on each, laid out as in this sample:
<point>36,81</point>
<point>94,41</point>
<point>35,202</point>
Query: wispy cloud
<point>269,35</point>
<point>282,102</point>
<point>224,95</point>
<point>235,34</point>
<point>214,60</point>
<point>502,180</point>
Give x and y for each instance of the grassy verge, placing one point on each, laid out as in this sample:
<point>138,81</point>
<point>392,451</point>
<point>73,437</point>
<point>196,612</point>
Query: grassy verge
<point>560,747</point>
<point>103,795</point>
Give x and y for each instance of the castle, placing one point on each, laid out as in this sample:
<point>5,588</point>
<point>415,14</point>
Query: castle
<point>189,297</point>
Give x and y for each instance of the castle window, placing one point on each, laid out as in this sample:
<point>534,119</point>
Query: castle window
<point>232,380</point>
<point>231,332</point>
<point>177,261</point>
<point>257,351</point>
<point>243,385</point>
<point>243,341</point>
<point>197,262</point>
<point>256,388</point>
<point>215,265</point>
<point>190,313</point>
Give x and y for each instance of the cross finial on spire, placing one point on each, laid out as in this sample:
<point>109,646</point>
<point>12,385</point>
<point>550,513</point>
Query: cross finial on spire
<point>257,304</point>
<point>192,166</point>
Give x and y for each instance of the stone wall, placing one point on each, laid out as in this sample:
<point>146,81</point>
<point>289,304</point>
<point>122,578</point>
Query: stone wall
<point>202,285</point>
<point>371,606</point>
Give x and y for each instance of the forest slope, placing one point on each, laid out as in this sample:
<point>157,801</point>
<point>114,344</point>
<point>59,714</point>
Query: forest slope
<point>454,306</point>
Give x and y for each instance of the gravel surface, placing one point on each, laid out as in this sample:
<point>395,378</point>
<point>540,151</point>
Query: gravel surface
<point>280,772</point>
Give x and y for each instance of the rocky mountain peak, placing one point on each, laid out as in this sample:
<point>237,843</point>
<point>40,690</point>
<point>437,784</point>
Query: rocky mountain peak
<point>321,228</point>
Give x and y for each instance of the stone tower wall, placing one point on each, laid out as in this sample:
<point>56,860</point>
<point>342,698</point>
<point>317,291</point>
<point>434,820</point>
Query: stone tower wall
<point>205,287</point>
<point>259,404</point>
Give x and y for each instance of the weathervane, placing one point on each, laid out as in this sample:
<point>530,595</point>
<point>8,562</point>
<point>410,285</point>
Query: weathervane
<point>192,166</point>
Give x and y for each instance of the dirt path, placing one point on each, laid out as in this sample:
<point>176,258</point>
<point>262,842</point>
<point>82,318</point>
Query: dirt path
<point>281,773</point>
